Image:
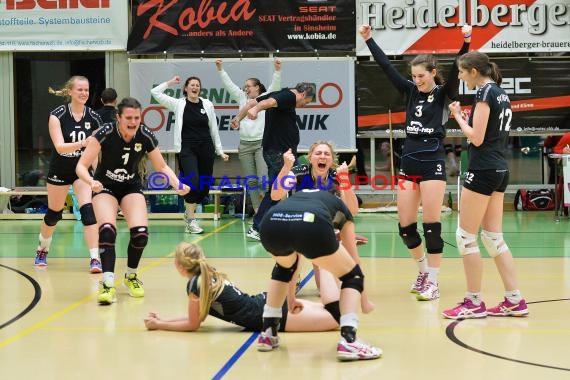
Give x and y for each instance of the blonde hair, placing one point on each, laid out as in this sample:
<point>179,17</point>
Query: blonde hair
<point>330,144</point>
<point>66,89</point>
<point>191,257</point>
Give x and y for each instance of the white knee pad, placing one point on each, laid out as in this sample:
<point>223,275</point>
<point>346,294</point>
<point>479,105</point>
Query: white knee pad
<point>494,243</point>
<point>463,239</point>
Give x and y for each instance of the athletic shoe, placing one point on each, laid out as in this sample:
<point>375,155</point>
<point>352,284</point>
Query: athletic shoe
<point>107,294</point>
<point>418,286</point>
<point>252,233</point>
<point>466,310</point>
<point>41,258</point>
<point>429,292</point>
<point>192,227</point>
<point>95,266</point>
<point>134,285</point>
<point>267,343</point>
<point>356,351</point>
<point>508,309</point>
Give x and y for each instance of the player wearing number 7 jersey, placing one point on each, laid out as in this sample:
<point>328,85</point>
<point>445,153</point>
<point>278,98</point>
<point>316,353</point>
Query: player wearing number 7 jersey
<point>484,188</point>
<point>69,126</point>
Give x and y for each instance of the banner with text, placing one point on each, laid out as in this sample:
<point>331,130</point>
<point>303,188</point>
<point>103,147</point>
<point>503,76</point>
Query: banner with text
<point>79,25</point>
<point>195,26</point>
<point>331,116</point>
<point>433,26</point>
<point>539,90</point>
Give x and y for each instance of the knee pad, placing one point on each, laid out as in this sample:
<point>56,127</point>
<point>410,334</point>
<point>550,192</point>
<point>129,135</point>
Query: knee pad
<point>52,217</point>
<point>107,235</point>
<point>353,279</point>
<point>494,243</point>
<point>87,214</point>
<point>139,237</point>
<point>465,242</point>
<point>283,274</point>
<point>410,235</point>
<point>334,309</point>
<point>432,234</point>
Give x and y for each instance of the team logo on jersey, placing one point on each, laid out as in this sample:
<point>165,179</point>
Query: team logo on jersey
<point>430,99</point>
<point>202,111</point>
<point>138,147</point>
<point>87,125</point>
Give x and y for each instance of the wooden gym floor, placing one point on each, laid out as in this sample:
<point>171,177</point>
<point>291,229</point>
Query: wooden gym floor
<point>52,328</point>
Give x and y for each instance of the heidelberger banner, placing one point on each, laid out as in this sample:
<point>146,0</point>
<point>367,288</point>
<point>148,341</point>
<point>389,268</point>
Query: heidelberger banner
<point>331,116</point>
<point>194,26</point>
<point>539,90</point>
<point>63,25</point>
<point>432,26</point>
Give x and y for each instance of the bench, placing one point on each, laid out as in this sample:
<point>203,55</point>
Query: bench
<point>5,212</point>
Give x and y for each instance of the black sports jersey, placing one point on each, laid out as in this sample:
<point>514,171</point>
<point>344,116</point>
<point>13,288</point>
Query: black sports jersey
<point>426,113</point>
<point>234,306</point>
<point>491,153</point>
<point>305,180</point>
<point>107,113</point>
<point>120,159</point>
<point>73,131</point>
<point>281,131</point>
<point>306,204</point>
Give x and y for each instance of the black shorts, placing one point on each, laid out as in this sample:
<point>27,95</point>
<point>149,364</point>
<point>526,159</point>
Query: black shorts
<point>62,175</point>
<point>486,181</point>
<point>417,170</point>
<point>120,190</point>
<point>312,239</point>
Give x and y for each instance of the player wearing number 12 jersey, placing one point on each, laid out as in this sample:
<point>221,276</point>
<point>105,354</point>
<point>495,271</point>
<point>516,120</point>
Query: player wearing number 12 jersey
<point>483,191</point>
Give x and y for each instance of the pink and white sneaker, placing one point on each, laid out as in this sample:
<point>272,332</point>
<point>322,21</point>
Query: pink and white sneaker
<point>356,351</point>
<point>466,310</point>
<point>430,292</point>
<point>508,309</point>
<point>418,286</point>
<point>267,343</point>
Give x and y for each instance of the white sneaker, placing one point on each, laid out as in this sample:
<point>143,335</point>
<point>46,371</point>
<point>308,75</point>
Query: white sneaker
<point>252,233</point>
<point>418,286</point>
<point>192,227</point>
<point>429,292</point>
<point>356,351</point>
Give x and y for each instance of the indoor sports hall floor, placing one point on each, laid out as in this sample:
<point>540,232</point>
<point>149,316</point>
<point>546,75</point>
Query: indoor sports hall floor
<point>52,328</point>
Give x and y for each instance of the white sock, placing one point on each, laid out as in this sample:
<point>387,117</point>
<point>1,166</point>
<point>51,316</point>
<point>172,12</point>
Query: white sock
<point>44,243</point>
<point>474,297</point>
<point>109,279</point>
<point>514,296</point>
<point>432,274</point>
<point>349,319</point>
<point>131,271</point>
<point>422,264</point>
<point>272,312</point>
<point>94,253</point>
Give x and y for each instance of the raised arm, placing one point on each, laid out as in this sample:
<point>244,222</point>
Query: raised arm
<point>276,80</point>
<point>397,79</point>
<point>158,93</point>
<point>285,180</point>
<point>451,86</point>
<point>235,91</point>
